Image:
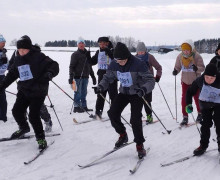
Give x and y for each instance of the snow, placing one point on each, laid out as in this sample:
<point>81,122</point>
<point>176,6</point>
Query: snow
<point>80,144</point>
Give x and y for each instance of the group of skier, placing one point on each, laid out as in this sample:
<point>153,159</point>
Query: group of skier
<point>134,73</point>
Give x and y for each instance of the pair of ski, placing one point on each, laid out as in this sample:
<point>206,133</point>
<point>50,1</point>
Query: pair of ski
<point>90,120</point>
<point>137,165</point>
<point>184,159</point>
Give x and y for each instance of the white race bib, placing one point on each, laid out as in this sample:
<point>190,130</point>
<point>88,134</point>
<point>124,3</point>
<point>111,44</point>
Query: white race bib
<point>125,79</point>
<point>103,60</point>
<point>25,72</point>
<point>189,69</point>
<point>209,94</point>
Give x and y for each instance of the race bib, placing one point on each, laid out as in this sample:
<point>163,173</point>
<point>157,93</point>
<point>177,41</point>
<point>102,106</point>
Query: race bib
<point>3,68</point>
<point>25,72</point>
<point>103,61</point>
<point>209,94</point>
<point>189,69</point>
<point>125,79</point>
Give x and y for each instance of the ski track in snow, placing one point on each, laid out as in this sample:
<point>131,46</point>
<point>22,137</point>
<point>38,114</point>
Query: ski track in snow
<point>83,143</point>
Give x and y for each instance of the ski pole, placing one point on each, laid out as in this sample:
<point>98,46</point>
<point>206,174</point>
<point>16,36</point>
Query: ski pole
<point>52,106</point>
<point>10,92</point>
<point>110,105</point>
<point>90,115</point>
<point>196,124</point>
<point>175,100</point>
<point>168,131</point>
<point>165,100</point>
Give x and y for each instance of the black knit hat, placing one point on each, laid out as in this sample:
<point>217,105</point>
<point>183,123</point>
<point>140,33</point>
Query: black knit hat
<point>103,39</point>
<point>121,51</point>
<point>210,70</point>
<point>216,51</point>
<point>24,43</point>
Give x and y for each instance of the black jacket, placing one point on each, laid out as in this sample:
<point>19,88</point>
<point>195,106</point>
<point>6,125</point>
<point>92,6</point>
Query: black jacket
<point>40,65</point>
<point>79,66</point>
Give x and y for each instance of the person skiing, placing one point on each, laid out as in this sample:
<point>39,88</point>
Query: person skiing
<point>79,71</point>
<point>34,70</point>
<point>103,58</point>
<point>3,68</point>
<point>191,64</point>
<point>151,62</point>
<point>135,82</point>
<point>209,99</point>
<point>44,114</point>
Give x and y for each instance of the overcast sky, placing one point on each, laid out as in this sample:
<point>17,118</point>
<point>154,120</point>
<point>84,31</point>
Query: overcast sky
<point>155,22</point>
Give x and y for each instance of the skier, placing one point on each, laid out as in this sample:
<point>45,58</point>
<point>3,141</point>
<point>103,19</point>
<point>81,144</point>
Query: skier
<point>44,114</point>
<point>3,68</point>
<point>191,64</point>
<point>79,70</point>
<point>35,70</point>
<point>209,100</point>
<point>103,58</point>
<point>135,82</point>
<point>151,62</point>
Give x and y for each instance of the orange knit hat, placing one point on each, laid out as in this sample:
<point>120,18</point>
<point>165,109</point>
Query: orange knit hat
<point>186,46</point>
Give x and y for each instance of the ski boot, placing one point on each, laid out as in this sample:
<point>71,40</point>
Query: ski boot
<point>141,151</point>
<point>48,127</point>
<point>86,109</point>
<point>199,118</point>
<point>122,140</point>
<point>78,109</point>
<point>20,133</point>
<point>185,121</point>
<point>149,119</point>
<point>42,143</point>
<point>199,151</point>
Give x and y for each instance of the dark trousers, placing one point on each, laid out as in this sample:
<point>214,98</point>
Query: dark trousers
<point>3,104</point>
<point>210,111</point>
<point>44,114</point>
<point>19,112</point>
<point>148,98</point>
<point>112,91</point>
<point>118,105</point>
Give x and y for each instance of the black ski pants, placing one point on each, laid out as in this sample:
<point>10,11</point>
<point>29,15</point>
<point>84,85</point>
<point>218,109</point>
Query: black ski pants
<point>148,98</point>
<point>118,105</point>
<point>19,112</point>
<point>112,91</point>
<point>210,111</point>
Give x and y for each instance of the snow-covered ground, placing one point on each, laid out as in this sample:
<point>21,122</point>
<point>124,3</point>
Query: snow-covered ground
<point>80,144</point>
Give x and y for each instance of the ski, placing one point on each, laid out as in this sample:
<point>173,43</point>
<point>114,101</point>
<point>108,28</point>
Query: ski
<point>137,165</point>
<point>26,137</point>
<point>104,155</point>
<point>38,154</point>
<point>181,127</point>
<point>182,159</point>
<point>90,120</point>
<point>145,123</point>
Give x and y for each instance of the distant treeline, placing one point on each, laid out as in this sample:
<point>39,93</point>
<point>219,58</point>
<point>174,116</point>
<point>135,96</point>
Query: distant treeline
<point>129,41</point>
<point>70,43</point>
<point>207,45</point>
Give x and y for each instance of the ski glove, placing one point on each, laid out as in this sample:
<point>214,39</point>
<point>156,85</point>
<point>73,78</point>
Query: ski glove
<point>98,89</point>
<point>175,72</point>
<point>189,108</point>
<point>194,67</point>
<point>157,78</point>
<point>48,76</point>
<point>140,92</point>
